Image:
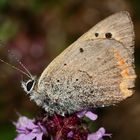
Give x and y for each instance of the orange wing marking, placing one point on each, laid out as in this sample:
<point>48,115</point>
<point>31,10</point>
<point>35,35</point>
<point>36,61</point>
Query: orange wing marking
<point>125,73</point>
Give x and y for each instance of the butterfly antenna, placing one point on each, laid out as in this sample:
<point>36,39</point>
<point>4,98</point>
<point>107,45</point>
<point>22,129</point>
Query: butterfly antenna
<point>23,66</point>
<point>15,68</point>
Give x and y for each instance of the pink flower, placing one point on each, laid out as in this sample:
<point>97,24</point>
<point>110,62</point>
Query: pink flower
<point>28,130</point>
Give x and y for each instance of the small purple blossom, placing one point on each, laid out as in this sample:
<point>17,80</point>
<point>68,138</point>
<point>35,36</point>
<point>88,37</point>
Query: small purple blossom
<point>28,130</point>
<point>98,135</point>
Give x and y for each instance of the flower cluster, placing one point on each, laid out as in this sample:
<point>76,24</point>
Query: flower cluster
<point>56,127</point>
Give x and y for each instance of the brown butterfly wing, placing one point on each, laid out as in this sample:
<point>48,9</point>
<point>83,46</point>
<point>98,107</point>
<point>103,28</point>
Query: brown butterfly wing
<point>93,71</point>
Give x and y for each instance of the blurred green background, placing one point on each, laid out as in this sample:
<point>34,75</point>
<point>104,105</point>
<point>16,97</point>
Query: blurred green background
<point>35,32</point>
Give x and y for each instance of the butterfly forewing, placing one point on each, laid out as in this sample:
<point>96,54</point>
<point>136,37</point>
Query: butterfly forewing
<point>119,25</point>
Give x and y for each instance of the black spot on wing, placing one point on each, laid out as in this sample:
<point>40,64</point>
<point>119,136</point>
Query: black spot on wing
<point>96,34</point>
<point>81,50</point>
<point>108,35</point>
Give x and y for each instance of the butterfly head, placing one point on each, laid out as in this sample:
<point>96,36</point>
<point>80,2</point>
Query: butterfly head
<point>29,85</point>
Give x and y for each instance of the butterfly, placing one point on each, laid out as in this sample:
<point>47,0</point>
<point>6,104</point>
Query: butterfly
<point>97,70</point>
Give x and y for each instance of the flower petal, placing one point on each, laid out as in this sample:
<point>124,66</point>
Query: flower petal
<point>88,114</point>
<point>31,136</point>
<point>24,122</point>
<point>39,136</point>
<point>81,114</point>
<point>24,137</point>
<point>98,135</point>
<point>91,115</point>
<point>43,129</point>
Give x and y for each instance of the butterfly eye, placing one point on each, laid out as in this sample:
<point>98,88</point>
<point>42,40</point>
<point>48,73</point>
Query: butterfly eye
<point>29,85</point>
<point>108,35</point>
<point>96,34</point>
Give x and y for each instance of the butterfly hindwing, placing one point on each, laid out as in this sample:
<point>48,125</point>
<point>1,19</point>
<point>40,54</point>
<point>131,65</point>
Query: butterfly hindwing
<point>90,75</point>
